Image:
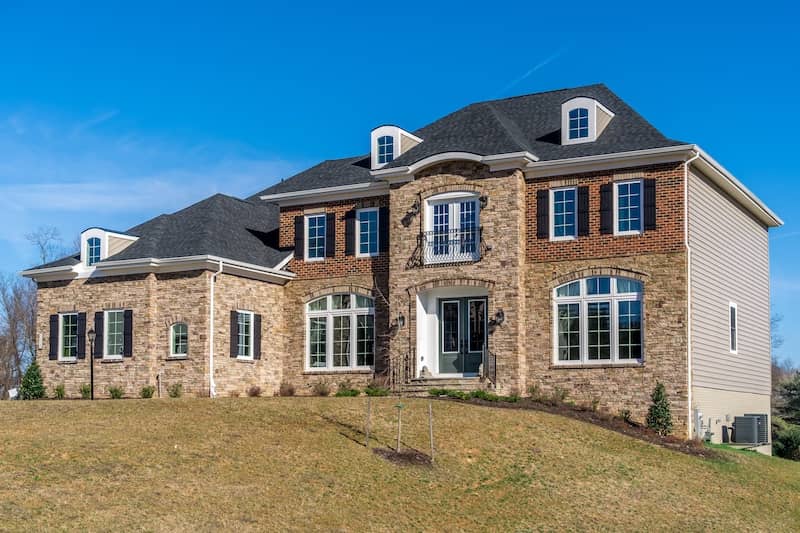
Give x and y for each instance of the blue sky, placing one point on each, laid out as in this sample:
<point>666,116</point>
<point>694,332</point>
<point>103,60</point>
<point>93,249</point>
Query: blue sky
<point>112,115</point>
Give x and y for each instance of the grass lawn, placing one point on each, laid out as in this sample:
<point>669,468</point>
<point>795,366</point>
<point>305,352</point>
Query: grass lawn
<point>300,464</point>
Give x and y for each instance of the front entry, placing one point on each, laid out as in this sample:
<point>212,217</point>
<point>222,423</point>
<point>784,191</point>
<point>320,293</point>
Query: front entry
<point>462,335</point>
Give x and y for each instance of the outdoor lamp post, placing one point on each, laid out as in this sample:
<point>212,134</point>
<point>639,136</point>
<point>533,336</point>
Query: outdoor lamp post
<point>92,337</point>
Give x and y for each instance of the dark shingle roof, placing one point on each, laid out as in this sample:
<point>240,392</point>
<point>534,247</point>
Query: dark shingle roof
<point>523,123</point>
<point>220,225</point>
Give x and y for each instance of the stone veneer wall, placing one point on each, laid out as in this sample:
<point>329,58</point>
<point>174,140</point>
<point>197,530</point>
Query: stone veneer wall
<point>500,269</point>
<point>665,349</point>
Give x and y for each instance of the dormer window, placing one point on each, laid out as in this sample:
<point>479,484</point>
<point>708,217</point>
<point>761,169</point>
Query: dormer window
<point>579,123</point>
<point>92,251</point>
<point>385,149</point>
<point>583,120</point>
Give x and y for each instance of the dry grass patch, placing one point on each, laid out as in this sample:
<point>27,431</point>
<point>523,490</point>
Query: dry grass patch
<point>300,464</point>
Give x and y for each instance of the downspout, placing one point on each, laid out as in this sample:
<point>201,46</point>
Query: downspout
<point>212,387</point>
<point>690,417</point>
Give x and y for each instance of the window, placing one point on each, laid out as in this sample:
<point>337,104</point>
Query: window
<point>92,251</point>
<point>68,341</point>
<point>598,320</point>
<point>563,213</point>
<point>245,336</point>
<point>628,208</point>
<point>453,228</point>
<point>114,334</point>
<point>179,340</point>
<point>579,123</point>
<point>341,332</point>
<point>315,237</point>
<point>385,149</point>
<point>367,232</point>
<point>733,321</point>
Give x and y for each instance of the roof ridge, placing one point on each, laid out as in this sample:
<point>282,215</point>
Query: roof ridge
<point>526,95</point>
<point>510,127</point>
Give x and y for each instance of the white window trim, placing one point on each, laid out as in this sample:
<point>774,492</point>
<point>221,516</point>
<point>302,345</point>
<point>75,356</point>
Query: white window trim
<point>106,355</point>
<point>552,211</point>
<point>453,200</point>
<point>172,353</point>
<point>306,229</point>
<point>377,231</point>
<point>735,338</point>
<point>328,314</point>
<point>618,233</point>
<point>251,337</point>
<point>584,300</point>
<point>61,338</point>
<point>395,141</point>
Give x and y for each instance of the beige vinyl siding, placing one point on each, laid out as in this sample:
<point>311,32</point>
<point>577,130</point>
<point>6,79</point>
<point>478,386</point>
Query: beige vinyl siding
<point>116,245</point>
<point>407,143</point>
<point>729,263</point>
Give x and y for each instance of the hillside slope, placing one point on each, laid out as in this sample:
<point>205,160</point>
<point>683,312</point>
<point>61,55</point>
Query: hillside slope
<point>300,464</point>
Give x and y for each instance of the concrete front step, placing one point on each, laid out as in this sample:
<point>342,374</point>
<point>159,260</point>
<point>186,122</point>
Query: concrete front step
<point>421,387</point>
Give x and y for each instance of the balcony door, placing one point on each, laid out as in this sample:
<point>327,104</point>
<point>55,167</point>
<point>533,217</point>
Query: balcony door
<point>462,335</point>
<point>452,229</point>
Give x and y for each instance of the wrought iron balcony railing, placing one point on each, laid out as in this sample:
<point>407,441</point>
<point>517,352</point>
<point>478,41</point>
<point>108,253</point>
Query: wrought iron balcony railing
<point>452,246</point>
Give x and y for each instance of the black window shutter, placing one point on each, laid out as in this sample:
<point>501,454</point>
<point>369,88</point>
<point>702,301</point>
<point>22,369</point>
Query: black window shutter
<point>350,232</point>
<point>299,236</point>
<point>583,211</point>
<point>543,214</point>
<point>649,204</point>
<point>234,334</point>
<point>98,335</point>
<point>607,208</point>
<point>256,336</point>
<point>127,333</point>
<point>330,235</point>
<point>53,355</point>
<point>81,336</point>
<point>383,229</point>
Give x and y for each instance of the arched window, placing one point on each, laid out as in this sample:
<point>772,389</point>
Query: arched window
<point>92,251</point>
<point>340,332</point>
<point>598,320</point>
<point>179,340</point>
<point>385,149</point>
<point>579,123</point>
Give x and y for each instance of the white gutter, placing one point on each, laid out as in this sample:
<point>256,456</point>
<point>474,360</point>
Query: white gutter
<point>690,418</point>
<point>327,194</point>
<point>212,387</point>
<point>494,161</point>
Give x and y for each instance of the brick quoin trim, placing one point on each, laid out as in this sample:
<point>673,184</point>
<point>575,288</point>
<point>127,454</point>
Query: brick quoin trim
<point>341,264</point>
<point>667,237</point>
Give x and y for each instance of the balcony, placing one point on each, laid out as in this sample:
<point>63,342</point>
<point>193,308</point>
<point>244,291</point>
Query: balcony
<point>453,246</point>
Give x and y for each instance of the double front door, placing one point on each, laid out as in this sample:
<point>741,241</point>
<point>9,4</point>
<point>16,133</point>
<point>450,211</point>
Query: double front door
<point>462,335</point>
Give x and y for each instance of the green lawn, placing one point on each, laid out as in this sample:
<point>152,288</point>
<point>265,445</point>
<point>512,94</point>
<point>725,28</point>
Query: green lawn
<point>298,464</point>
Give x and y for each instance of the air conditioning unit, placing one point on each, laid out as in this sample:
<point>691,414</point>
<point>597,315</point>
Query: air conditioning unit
<point>746,429</point>
<point>763,427</point>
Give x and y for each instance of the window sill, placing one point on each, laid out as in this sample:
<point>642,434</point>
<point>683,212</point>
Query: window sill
<point>314,260</point>
<point>111,361</point>
<point>177,358</point>
<point>243,360</point>
<point>629,234</point>
<point>568,366</point>
<point>331,371</point>
<point>564,239</point>
<point>68,362</point>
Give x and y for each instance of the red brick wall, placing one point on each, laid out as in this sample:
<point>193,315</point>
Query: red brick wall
<point>341,265</point>
<point>667,237</point>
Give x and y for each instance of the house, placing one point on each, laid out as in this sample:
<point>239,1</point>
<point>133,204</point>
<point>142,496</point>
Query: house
<point>554,240</point>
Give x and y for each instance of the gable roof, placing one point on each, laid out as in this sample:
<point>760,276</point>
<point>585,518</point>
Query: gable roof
<point>529,123</point>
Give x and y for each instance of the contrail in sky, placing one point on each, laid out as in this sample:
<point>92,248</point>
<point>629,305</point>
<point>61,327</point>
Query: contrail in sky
<point>539,65</point>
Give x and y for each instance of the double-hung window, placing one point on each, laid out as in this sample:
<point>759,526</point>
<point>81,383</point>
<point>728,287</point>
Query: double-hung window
<point>452,228</point>
<point>598,320</point>
<point>579,123</point>
<point>92,251</point>
<point>244,341</point>
<point>114,334</point>
<point>628,207</point>
<point>315,237</point>
<point>367,232</point>
<point>385,149</point>
<point>564,213</point>
<point>733,322</point>
<point>68,336</point>
<point>179,340</point>
<point>340,332</point>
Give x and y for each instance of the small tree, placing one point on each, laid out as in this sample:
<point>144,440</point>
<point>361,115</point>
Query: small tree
<point>790,394</point>
<point>32,387</point>
<point>659,417</point>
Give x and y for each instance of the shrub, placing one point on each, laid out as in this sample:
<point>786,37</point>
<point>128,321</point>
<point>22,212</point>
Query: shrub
<point>595,404</point>
<point>535,392</point>
<point>559,395</point>
<point>115,392</point>
<point>286,389</point>
<point>376,390</point>
<point>790,392</point>
<point>58,392</point>
<point>32,386</point>
<point>147,391</point>
<point>437,392</point>
<point>254,391</point>
<point>786,443</point>
<point>659,417</point>
<point>484,395</point>
<point>342,393</point>
<point>86,391</point>
<point>625,415</point>
<point>321,388</point>
<point>511,398</point>
<point>175,390</point>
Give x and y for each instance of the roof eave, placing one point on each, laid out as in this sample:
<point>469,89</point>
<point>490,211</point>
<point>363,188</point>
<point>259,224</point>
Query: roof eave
<point>495,162</point>
<point>328,194</point>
